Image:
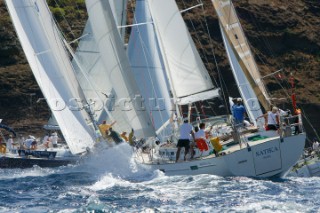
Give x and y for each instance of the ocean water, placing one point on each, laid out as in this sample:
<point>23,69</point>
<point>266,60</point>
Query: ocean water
<point>110,181</point>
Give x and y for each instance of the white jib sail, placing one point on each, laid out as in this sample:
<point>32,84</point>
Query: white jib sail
<point>146,62</point>
<point>186,71</point>
<point>118,68</point>
<point>50,64</point>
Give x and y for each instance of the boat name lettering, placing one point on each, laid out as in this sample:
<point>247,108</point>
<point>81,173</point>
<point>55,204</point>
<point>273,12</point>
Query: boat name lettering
<point>266,151</point>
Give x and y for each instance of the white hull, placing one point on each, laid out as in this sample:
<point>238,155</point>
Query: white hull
<point>309,167</point>
<point>263,159</point>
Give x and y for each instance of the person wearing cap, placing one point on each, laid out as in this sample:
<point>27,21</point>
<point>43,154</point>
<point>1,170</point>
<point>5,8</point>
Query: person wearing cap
<point>184,141</point>
<point>104,128</point>
<point>238,112</point>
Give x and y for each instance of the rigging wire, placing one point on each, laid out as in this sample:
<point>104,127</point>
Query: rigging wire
<point>197,36</point>
<point>304,115</point>
<point>145,55</point>
<point>66,21</point>
<point>232,9</point>
<point>88,107</point>
<point>206,27</point>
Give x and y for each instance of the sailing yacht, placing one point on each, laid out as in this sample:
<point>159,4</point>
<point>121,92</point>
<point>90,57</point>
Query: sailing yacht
<point>49,60</point>
<point>247,152</point>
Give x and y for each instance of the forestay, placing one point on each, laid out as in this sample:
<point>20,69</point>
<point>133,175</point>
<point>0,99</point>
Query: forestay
<point>50,64</point>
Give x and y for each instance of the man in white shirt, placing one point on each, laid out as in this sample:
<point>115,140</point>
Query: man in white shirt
<point>315,145</point>
<point>201,133</point>
<point>45,138</point>
<point>185,130</point>
<point>9,143</point>
<point>54,139</point>
<point>29,142</point>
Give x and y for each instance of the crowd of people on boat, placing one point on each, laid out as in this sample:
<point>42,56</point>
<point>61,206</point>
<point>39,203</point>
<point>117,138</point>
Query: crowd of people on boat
<point>199,136</point>
<point>111,135</point>
<point>190,137</point>
<point>274,118</point>
<point>30,143</point>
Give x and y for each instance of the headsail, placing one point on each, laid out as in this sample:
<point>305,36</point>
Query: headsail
<point>117,66</point>
<point>50,64</point>
<point>92,75</point>
<point>252,105</point>
<point>234,33</point>
<point>188,76</point>
<point>147,65</point>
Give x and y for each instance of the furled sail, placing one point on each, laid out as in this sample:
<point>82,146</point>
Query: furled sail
<point>50,64</point>
<point>147,65</point>
<point>117,66</point>
<point>234,33</point>
<point>187,74</point>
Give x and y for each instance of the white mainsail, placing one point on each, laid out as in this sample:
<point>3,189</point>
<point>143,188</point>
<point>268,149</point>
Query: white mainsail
<point>50,64</point>
<point>187,74</point>
<point>147,65</point>
<point>117,66</point>
<point>234,33</point>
